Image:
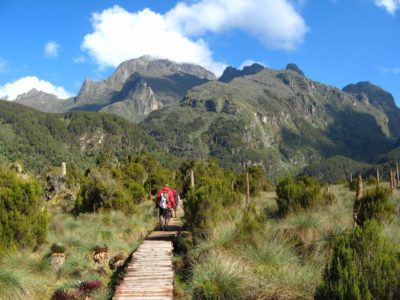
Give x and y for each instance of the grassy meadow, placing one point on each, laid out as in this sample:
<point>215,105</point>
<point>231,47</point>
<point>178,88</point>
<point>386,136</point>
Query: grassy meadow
<point>27,275</point>
<point>254,254</point>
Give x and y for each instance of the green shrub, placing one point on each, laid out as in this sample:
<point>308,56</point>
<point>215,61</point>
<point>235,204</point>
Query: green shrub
<point>375,205</point>
<point>302,193</point>
<point>363,266</point>
<point>257,179</point>
<point>101,190</point>
<point>212,195</point>
<point>22,222</point>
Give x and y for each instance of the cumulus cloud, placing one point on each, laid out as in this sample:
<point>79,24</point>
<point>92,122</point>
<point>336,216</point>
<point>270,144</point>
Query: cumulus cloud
<point>178,35</point>
<point>51,49</point>
<point>390,5</point>
<point>276,23</point>
<point>11,90</point>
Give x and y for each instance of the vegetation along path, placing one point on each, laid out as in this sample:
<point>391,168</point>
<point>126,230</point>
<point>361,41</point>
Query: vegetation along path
<point>150,273</point>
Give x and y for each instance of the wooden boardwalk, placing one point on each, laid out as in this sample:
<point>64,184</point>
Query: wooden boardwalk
<point>150,273</point>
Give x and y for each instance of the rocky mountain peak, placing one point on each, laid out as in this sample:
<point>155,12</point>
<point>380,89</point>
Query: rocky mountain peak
<point>149,66</point>
<point>38,95</point>
<point>377,96</point>
<point>231,72</point>
<point>293,67</point>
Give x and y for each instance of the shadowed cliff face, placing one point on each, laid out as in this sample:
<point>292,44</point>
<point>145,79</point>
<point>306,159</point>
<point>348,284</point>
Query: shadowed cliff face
<point>376,96</point>
<point>278,118</point>
<point>166,83</point>
<point>136,88</point>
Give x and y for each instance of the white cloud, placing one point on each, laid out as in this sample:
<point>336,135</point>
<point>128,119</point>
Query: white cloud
<point>11,90</point>
<point>276,23</point>
<point>390,5</point>
<point>51,49</point>
<point>3,65</point>
<point>119,35</point>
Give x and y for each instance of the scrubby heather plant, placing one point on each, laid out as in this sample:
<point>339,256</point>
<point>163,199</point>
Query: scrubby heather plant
<point>206,203</point>
<point>364,265</point>
<point>301,193</point>
<point>22,222</point>
<point>375,205</point>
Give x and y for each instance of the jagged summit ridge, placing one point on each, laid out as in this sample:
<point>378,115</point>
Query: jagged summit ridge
<point>230,72</point>
<point>162,82</point>
<point>293,67</point>
<point>145,66</point>
<point>36,94</point>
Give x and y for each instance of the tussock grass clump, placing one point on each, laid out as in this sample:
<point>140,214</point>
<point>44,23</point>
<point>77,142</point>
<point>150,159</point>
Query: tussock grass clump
<point>27,275</point>
<point>220,277</point>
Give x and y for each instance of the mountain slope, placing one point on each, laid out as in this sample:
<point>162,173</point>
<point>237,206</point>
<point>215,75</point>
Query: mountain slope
<point>42,101</point>
<point>277,118</point>
<point>122,93</point>
<point>42,140</point>
<point>376,96</point>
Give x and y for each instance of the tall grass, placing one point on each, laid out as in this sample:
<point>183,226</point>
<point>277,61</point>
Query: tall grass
<point>27,275</point>
<point>266,257</point>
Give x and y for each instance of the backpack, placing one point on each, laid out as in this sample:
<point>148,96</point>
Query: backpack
<point>164,201</point>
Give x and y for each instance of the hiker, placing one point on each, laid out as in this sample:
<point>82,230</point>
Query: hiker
<point>165,201</point>
<point>177,199</point>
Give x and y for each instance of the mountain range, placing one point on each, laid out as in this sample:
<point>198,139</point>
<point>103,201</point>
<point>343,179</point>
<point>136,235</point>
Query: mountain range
<point>276,118</point>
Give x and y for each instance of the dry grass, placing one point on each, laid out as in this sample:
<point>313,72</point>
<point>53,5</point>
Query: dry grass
<point>27,275</point>
<point>281,259</point>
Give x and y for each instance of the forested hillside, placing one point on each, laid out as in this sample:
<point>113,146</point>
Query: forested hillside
<point>41,141</point>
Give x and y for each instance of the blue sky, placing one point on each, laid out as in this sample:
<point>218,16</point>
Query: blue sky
<point>55,45</point>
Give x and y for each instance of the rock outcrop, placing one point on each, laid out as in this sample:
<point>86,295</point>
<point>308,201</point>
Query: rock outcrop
<point>41,101</point>
<point>230,72</point>
<point>139,86</point>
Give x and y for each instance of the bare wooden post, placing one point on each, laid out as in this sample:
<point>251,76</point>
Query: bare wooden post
<point>247,189</point>
<point>391,176</point>
<point>397,174</point>
<point>357,203</point>
<point>150,192</point>
<point>63,169</point>
<point>351,177</point>
<point>377,176</point>
<point>359,190</point>
<point>191,179</point>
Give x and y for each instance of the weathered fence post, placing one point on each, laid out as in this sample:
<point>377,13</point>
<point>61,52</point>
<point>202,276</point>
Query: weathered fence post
<point>357,203</point>
<point>397,174</point>
<point>377,176</point>
<point>391,177</point>
<point>63,169</point>
<point>191,179</point>
<point>247,189</point>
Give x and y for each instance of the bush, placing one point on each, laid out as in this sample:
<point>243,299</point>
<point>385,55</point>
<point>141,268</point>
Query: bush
<point>302,193</point>
<point>22,222</point>
<point>363,266</point>
<point>375,205</point>
<point>101,190</point>
<point>213,194</point>
<point>258,181</point>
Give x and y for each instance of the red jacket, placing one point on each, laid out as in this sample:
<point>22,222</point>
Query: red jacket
<point>171,200</point>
